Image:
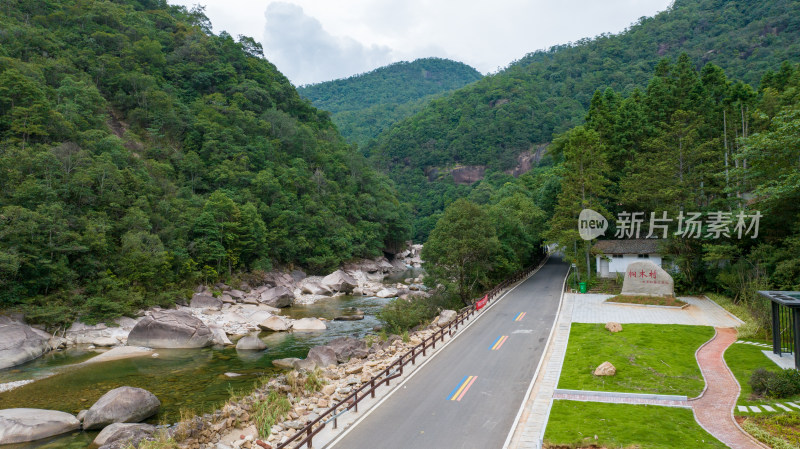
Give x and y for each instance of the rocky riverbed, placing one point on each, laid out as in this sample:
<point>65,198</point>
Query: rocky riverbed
<point>337,368</point>
<point>220,313</point>
<point>288,312</point>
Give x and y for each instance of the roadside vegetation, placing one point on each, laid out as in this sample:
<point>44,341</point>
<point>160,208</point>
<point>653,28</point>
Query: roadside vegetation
<point>401,315</point>
<point>269,411</point>
<point>777,431</point>
<point>754,313</point>
<point>649,358</point>
<point>576,424</point>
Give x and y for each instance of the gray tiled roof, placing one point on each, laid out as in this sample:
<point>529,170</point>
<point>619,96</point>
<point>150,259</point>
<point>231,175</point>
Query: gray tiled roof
<point>627,246</point>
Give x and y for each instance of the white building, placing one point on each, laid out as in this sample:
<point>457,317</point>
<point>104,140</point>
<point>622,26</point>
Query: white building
<point>613,256</point>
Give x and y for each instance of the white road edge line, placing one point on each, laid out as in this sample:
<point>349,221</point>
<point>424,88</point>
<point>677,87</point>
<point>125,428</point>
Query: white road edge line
<point>397,387</point>
<point>538,366</point>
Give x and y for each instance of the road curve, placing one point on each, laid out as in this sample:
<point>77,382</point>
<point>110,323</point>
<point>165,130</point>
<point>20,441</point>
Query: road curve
<point>469,394</point>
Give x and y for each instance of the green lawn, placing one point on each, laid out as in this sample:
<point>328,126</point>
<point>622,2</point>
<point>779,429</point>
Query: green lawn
<point>575,424</point>
<point>743,359</point>
<point>650,358</point>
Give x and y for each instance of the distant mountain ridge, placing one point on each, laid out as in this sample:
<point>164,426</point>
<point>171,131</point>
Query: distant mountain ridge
<point>363,105</point>
<point>492,122</point>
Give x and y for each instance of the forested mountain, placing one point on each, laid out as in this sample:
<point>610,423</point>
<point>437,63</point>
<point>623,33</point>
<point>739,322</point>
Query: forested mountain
<point>712,159</point>
<point>491,122</point>
<point>364,105</point>
<point>140,153</point>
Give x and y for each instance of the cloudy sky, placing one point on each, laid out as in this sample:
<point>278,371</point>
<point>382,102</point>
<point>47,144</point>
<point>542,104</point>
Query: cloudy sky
<point>319,40</point>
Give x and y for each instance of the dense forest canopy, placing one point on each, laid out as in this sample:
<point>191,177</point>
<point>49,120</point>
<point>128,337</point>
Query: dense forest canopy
<point>362,106</point>
<point>489,123</point>
<point>694,142</point>
<point>141,154</point>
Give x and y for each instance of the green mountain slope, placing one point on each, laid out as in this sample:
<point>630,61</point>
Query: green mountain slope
<point>141,154</point>
<point>364,105</point>
<point>491,122</point>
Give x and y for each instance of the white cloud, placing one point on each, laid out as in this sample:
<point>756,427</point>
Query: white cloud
<point>319,40</point>
<point>306,53</point>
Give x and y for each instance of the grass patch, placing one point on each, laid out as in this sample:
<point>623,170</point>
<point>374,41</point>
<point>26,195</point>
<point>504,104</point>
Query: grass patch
<point>650,358</point>
<point>306,382</point>
<point>751,329</point>
<point>160,440</point>
<point>575,424</point>
<point>743,360</point>
<point>269,411</point>
<point>670,301</point>
<point>777,431</point>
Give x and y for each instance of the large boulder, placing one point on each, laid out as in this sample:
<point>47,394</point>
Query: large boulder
<point>445,317</point>
<point>130,433</point>
<point>100,334</point>
<point>346,348</point>
<point>322,356</point>
<point>20,343</point>
<point>339,281</point>
<point>18,425</point>
<point>219,337</point>
<point>123,404</point>
<point>308,324</point>
<point>605,369</point>
<point>647,279</point>
<point>613,327</point>
<point>201,301</point>
<point>304,365</point>
<point>275,324</point>
<point>387,292</point>
<point>384,265</point>
<point>279,296</point>
<point>313,286</point>
<point>250,343</point>
<point>287,363</point>
<point>170,329</point>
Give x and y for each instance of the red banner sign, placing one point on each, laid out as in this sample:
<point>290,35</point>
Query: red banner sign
<point>482,303</point>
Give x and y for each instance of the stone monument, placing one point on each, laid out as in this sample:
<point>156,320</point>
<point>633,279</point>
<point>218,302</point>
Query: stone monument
<point>647,279</point>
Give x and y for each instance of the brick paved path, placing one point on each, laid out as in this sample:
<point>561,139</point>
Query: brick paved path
<point>714,409</point>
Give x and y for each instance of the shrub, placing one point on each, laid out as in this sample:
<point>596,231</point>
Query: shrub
<point>780,384</point>
<point>759,380</point>
<point>401,315</point>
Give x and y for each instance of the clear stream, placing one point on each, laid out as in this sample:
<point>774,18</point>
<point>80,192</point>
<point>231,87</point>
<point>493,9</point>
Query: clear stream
<point>189,380</point>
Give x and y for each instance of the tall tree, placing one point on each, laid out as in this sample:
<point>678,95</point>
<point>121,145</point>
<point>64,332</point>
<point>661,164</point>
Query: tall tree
<point>462,249</point>
<point>584,184</point>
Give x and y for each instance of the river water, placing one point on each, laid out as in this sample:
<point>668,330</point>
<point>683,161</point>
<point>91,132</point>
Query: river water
<point>185,381</point>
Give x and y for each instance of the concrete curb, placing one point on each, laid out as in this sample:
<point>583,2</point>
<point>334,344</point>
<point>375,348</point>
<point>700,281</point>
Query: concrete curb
<point>613,394</point>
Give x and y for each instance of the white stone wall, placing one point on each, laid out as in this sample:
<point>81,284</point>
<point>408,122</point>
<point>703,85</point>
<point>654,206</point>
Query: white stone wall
<point>619,264</point>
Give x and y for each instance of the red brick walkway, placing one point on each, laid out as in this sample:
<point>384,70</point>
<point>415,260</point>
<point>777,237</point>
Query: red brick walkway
<point>714,409</point>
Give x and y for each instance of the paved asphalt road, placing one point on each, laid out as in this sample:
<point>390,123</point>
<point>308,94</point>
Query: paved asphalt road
<point>421,416</point>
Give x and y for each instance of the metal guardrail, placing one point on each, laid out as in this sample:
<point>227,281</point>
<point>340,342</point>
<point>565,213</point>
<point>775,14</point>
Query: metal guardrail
<point>393,371</point>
